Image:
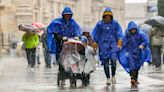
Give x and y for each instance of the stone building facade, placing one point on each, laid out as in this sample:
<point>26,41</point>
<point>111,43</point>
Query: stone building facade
<point>136,12</point>
<point>86,13</point>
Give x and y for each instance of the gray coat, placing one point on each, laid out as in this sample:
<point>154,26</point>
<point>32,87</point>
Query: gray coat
<point>156,36</point>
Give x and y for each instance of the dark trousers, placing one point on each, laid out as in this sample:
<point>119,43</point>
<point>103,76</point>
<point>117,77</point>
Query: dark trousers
<point>156,55</point>
<point>31,55</point>
<point>38,58</point>
<point>113,68</point>
<point>134,75</point>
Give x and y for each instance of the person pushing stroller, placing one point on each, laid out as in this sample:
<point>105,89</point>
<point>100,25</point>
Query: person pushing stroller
<point>60,28</point>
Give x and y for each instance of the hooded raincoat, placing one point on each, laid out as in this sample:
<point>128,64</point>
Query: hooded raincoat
<point>30,40</point>
<point>106,36</point>
<point>63,28</point>
<point>131,56</point>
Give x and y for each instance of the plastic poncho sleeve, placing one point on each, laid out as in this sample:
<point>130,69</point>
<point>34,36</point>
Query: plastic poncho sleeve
<point>145,39</point>
<point>119,32</point>
<point>51,43</point>
<point>146,52</point>
<point>96,34</point>
<point>77,30</point>
<point>54,26</point>
<point>146,55</point>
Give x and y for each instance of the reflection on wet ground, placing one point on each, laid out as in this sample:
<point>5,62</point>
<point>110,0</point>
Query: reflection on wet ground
<point>14,77</point>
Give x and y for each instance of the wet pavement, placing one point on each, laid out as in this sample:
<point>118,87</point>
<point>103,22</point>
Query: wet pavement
<point>14,77</point>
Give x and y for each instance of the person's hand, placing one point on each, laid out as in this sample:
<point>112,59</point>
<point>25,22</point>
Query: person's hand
<point>141,46</point>
<point>94,50</point>
<point>95,46</point>
<point>119,44</point>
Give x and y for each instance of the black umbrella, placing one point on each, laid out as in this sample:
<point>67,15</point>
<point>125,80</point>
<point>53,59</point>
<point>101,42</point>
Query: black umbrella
<point>156,21</point>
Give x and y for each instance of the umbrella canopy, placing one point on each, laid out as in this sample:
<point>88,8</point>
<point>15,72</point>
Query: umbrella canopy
<point>33,28</point>
<point>145,28</point>
<point>40,26</point>
<point>27,28</point>
<point>156,21</point>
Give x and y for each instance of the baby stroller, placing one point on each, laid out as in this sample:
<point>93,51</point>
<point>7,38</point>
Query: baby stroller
<point>72,62</point>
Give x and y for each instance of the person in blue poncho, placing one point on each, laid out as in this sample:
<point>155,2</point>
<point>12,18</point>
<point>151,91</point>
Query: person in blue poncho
<point>135,51</point>
<point>107,36</point>
<point>59,28</point>
<point>63,27</point>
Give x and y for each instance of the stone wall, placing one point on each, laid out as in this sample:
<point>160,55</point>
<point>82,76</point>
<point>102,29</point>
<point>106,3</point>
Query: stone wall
<point>15,12</point>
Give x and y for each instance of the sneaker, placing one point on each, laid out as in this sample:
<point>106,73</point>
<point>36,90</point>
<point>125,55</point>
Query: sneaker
<point>48,66</point>
<point>108,81</point>
<point>113,80</point>
<point>32,69</point>
<point>54,63</point>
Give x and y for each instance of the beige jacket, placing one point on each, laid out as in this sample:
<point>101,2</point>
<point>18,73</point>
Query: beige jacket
<point>156,36</point>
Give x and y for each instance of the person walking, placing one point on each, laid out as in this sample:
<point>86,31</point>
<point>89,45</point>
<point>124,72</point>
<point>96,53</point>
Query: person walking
<point>30,40</point>
<point>156,37</point>
<point>135,51</point>
<point>61,28</point>
<point>107,37</point>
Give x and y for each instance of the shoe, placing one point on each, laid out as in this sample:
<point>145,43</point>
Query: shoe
<point>133,82</point>
<point>113,80</point>
<point>63,82</point>
<point>48,66</point>
<point>39,63</point>
<point>32,69</point>
<point>108,81</point>
<point>54,63</point>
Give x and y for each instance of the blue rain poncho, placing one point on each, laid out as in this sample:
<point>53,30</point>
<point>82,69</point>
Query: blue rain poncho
<point>106,36</point>
<point>131,57</point>
<point>63,28</point>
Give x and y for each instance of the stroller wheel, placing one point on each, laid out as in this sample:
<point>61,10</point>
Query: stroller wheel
<point>73,83</point>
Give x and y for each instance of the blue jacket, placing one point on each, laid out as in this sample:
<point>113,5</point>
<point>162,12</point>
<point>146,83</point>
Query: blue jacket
<point>51,43</point>
<point>131,56</point>
<point>106,36</point>
<point>63,28</point>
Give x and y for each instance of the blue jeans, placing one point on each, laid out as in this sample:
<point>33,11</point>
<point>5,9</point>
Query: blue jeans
<point>47,57</point>
<point>106,68</point>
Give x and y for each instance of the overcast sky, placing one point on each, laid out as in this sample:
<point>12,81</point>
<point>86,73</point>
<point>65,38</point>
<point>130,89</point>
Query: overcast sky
<point>136,1</point>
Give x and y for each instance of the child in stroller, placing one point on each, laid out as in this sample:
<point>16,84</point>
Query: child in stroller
<point>72,61</point>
